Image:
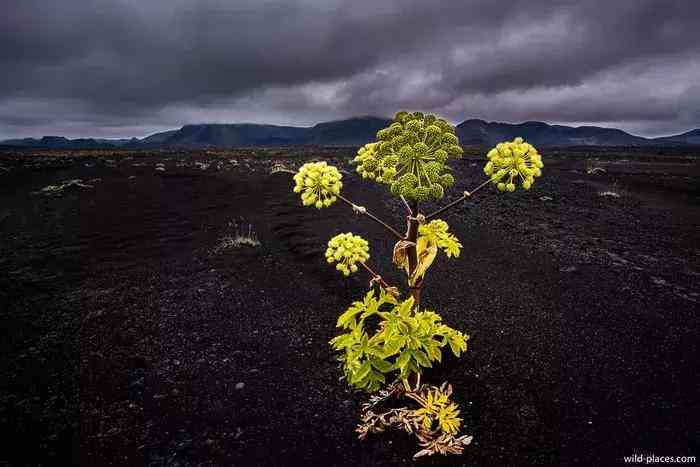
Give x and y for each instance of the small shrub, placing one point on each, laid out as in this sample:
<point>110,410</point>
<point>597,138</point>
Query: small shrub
<point>237,237</point>
<point>386,342</point>
<point>593,169</point>
<point>613,192</point>
<point>50,190</point>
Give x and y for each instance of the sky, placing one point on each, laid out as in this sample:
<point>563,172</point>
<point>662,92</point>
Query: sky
<point>123,68</point>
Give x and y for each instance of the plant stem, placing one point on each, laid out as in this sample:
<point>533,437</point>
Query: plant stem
<point>382,282</point>
<point>405,203</point>
<point>365,212</point>
<point>412,236</point>
<point>467,194</point>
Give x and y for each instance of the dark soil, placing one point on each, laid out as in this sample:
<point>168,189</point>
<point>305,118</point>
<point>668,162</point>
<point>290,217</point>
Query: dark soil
<point>129,338</point>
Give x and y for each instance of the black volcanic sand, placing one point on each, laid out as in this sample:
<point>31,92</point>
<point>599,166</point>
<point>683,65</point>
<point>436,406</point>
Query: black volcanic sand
<point>129,339</point>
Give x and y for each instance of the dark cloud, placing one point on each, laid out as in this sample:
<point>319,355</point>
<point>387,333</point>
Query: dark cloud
<point>125,67</point>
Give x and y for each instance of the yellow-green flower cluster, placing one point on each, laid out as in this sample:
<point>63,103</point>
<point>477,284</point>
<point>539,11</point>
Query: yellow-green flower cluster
<point>369,166</point>
<point>318,183</point>
<point>410,155</point>
<point>347,250</point>
<point>511,162</point>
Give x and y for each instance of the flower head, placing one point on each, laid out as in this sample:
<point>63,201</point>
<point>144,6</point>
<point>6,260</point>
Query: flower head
<point>318,183</point>
<point>410,155</point>
<point>347,250</point>
<point>512,162</point>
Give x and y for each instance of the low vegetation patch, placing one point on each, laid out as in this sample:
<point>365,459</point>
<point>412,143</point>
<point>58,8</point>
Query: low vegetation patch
<point>62,187</point>
<point>238,236</point>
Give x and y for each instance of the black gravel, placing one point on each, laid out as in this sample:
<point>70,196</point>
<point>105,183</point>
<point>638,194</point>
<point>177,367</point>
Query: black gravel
<point>130,339</point>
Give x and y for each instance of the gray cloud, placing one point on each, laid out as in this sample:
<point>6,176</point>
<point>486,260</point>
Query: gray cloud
<point>125,67</point>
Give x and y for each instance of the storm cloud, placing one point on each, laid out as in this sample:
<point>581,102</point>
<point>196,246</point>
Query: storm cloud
<point>127,68</point>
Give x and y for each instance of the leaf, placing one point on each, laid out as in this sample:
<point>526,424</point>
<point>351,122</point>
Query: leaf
<point>347,319</point>
<point>422,358</point>
<point>426,251</point>
<point>400,256</point>
<point>404,310</point>
<point>423,452</point>
<point>393,346</point>
<point>382,365</point>
<point>403,359</point>
<point>341,341</point>
<point>433,351</point>
<point>362,372</point>
<point>457,344</point>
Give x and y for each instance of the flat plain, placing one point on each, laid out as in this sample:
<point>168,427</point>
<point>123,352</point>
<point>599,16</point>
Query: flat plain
<point>136,333</point>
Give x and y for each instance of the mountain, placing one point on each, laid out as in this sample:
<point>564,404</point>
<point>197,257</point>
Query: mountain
<point>59,142</point>
<point>356,132</point>
<point>231,135</point>
<point>479,132</point>
<point>690,137</point>
<point>157,138</point>
<point>350,132</point>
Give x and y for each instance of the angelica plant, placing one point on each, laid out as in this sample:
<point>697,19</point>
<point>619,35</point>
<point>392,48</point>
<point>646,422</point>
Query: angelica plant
<point>387,341</point>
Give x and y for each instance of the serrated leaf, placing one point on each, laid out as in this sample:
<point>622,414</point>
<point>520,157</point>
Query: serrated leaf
<point>347,319</point>
<point>457,344</point>
<point>404,309</point>
<point>422,358</point>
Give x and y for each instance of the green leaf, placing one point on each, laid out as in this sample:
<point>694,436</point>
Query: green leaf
<point>433,351</point>
<point>422,358</point>
<point>347,319</point>
<point>457,343</point>
<point>404,309</point>
<point>393,346</point>
<point>403,359</point>
<point>382,365</point>
<point>362,372</point>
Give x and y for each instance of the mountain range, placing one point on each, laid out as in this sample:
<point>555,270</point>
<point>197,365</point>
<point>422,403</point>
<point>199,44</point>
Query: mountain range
<point>356,132</point>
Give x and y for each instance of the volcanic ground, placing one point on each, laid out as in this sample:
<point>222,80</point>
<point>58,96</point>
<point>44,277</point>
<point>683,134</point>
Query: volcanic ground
<point>136,333</point>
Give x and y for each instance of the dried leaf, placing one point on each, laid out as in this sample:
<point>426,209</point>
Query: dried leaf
<point>423,452</point>
<point>400,256</point>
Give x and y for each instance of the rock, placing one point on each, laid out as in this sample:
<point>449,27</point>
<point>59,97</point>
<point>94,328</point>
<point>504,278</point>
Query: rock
<point>139,383</point>
<point>240,386</point>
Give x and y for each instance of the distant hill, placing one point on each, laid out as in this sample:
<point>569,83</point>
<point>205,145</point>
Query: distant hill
<point>58,142</point>
<point>479,132</point>
<point>690,137</point>
<point>356,132</point>
<point>351,132</point>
